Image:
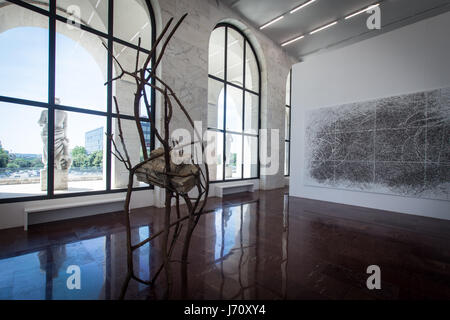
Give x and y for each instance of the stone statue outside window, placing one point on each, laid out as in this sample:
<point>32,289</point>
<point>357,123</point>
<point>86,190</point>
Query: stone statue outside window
<point>62,157</point>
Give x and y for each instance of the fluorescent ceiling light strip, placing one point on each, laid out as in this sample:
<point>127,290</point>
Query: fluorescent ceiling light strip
<point>324,27</point>
<point>361,11</point>
<point>291,41</point>
<point>302,6</point>
<point>271,22</point>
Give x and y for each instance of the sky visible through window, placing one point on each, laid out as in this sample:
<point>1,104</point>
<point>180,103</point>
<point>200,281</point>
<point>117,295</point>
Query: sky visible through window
<point>29,80</point>
<point>233,116</point>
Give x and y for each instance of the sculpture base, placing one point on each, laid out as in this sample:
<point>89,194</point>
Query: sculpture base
<point>61,179</point>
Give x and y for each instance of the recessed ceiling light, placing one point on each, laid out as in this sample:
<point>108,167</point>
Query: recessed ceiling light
<point>361,11</point>
<point>271,22</point>
<point>302,6</point>
<point>324,27</point>
<point>291,41</point>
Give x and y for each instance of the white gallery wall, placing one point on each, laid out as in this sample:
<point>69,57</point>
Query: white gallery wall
<point>411,59</point>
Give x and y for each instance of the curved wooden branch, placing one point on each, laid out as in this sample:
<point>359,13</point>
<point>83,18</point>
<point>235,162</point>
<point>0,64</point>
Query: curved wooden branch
<point>146,77</point>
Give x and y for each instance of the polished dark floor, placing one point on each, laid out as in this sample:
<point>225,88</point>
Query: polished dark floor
<point>263,245</point>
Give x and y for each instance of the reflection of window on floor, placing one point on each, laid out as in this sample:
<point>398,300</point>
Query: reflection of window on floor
<point>92,273</point>
<point>234,248</point>
<point>43,274</point>
<point>23,276</point>
<point>228,228</point>
<point>144,257</point>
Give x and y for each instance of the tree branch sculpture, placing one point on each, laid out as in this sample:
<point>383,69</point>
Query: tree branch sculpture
<point>158,167</point>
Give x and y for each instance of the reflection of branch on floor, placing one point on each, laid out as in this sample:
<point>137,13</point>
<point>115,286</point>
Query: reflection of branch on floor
<point>157,168</point>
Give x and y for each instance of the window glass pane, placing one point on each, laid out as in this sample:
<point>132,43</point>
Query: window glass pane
<point>235,52</point>
<point>233,151</point>
<point>132,21</point>
<point>23,54</point>
<point>144,113</point>
<point>81,64</point>
<point>287,123</point>
<point>215,104</point>
<point>127,59</point>
<point>250,157</point>
<point>21,150</point>
<point>234,109</point>
<point>251,113</point>
<point>125,87</point>
<point>288,90</point>
<point>214,154</point>
<point>217,53</point>
<point>80,146</point>
<point>119,173</point>
<point>91,13</point>
<point>146,128</point>
<point>287,146</point>
<point>251,70</point>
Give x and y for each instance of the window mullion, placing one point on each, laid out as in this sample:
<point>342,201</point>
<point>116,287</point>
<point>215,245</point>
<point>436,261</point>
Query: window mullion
<point>225,104</point>
<point>51,99</point>
<point>243,109</point>
<point>109,95</point>
<point>290,121</point>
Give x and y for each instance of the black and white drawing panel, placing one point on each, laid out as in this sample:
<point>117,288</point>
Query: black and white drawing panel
<point>397,145</point>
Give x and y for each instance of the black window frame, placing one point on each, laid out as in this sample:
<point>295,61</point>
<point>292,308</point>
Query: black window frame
<point>51,106</point>
<point>226,83</point>
<point>288,141</point>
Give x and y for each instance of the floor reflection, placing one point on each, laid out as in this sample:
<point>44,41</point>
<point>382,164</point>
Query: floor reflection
<point>224,258</point>
<point>262,246</point>
<point>42,274</point>
<point>233,249</point>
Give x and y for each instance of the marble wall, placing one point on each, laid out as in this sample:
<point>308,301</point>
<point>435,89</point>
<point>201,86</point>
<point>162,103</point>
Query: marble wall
<point>397,145</point>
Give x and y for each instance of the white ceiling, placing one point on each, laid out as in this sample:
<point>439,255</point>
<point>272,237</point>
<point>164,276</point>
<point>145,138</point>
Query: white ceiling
<point>394,14</point>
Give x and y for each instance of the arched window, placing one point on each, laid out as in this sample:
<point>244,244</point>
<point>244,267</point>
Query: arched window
<point>233,104</point>
<point>55,109</point>
<point>287,126</point>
